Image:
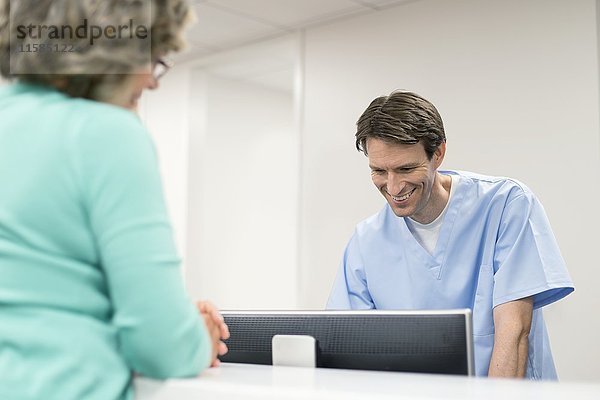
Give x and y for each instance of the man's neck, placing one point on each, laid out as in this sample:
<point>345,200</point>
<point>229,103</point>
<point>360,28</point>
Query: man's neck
<point>440,194</point>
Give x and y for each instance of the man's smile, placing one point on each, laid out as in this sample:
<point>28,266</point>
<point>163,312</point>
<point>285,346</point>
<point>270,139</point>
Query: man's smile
<point>403,197</point>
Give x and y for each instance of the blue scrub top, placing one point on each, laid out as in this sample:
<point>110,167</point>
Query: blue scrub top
<point>495,246</point>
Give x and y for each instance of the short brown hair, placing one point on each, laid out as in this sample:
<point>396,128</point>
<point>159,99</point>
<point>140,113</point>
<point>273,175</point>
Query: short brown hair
<point>401,117</point>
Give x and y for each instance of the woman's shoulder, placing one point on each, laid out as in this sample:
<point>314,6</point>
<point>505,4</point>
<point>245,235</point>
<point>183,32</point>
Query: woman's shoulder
<point>103,113</point>
<point>55,106</point>
<point>94,122</point>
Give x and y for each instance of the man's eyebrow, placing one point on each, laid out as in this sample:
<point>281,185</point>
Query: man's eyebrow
<point>401,166</point>
<point>409,165</point>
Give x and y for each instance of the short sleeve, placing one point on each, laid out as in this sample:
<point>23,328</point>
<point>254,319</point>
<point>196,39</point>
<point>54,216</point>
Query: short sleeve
<point>159,330</point>
<point>350,289</point>
<point>527,260</point>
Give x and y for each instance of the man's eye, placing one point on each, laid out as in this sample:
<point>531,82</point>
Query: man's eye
<point>377,172</point>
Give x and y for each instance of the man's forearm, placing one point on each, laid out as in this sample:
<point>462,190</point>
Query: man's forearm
<point>512,323</point>
<point>509,357</point>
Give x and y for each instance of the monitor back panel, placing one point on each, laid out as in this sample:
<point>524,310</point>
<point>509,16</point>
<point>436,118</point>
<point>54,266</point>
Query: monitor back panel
<point>410,342</point>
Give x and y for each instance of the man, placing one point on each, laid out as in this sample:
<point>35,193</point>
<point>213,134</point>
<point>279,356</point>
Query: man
<point>450,239</point>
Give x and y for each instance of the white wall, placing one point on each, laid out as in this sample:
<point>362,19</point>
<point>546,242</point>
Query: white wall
<point>165,113</point>
<point>517,85</point>
<point>242,214</point>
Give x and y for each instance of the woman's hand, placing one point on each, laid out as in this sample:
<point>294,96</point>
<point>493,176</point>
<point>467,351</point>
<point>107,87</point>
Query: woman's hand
<point>217,329</point>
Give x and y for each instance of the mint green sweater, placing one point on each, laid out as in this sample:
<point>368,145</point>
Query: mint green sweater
<point>90,286</point>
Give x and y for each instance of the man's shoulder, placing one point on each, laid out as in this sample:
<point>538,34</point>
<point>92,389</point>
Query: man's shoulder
<point>376,224</point>
<point>496,185</point>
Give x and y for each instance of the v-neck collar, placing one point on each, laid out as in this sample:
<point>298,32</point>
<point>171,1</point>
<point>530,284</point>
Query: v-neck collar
<point>435,261</point>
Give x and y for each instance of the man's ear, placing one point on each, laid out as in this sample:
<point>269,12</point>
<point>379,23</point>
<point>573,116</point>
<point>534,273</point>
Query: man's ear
<point>438,155</point>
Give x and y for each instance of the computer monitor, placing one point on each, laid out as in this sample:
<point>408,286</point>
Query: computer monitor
<point>436,341</point>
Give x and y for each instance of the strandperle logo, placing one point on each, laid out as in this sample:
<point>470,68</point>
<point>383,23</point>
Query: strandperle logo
<point>53,40</point>
<point>85,30</point>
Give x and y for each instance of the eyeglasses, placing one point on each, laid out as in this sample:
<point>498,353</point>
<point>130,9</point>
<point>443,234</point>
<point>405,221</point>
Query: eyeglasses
<point>160,67</point>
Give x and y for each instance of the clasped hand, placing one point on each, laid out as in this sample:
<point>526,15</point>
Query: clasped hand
<point>217,329</point>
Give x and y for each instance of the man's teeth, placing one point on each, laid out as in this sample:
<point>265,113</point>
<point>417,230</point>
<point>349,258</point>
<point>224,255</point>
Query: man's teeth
<point>402,198</point>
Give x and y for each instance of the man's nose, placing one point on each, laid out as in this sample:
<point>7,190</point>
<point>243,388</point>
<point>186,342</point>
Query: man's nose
<point>395,184</point>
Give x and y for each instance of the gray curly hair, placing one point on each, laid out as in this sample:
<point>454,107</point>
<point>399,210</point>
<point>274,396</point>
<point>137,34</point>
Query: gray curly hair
<point>109,60</point>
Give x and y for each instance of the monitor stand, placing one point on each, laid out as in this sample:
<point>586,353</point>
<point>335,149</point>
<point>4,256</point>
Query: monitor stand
<point>294,350</point>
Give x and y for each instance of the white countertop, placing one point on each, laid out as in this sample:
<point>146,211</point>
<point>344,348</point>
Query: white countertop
<point>247,381</point>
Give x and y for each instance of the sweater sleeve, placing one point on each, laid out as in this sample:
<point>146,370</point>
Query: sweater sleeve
<point>159,330</point>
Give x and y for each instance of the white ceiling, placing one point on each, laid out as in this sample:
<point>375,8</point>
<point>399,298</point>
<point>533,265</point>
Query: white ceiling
<point>225,24</point>
<point>271,61</point>
<point>270,64</point>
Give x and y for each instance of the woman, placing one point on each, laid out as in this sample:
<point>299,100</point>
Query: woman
<point>90,286</point>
